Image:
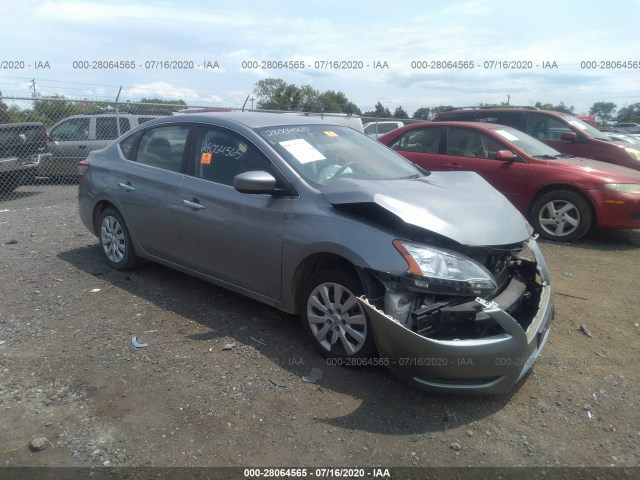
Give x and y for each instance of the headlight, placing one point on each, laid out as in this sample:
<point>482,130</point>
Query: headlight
<point>624,187</point>
<point>444,271</point>
<point>633,152</point>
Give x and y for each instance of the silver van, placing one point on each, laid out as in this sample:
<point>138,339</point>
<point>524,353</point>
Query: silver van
<point>71,139</point>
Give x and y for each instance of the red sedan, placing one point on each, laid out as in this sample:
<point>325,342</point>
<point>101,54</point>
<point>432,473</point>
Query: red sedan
<point>562,196</point>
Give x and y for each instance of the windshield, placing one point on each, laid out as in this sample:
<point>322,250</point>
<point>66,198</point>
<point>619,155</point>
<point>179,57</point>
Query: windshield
<point>586,128</point>
<point>322,153</point>
<point>529,145</point>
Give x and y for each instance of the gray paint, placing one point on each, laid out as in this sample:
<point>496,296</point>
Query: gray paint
<point>254,243</point>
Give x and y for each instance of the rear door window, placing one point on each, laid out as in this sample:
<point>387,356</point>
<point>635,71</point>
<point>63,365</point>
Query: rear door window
<point>545,127</point>
<point>423,140</point>
<point>163,147</point>
<point>464,142</point>
<point>106,127</point>
<point>126,145</point>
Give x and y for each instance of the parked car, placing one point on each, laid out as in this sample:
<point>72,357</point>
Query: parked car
<point>623,137</point>
<point>437,272</point>
<point>563,132</point>
<point>627,127</point>
<point>71,139</point>
<point>377,129</point>
<point>562,196</point>
<point>22,147</point>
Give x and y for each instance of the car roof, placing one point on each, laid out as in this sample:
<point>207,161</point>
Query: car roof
<point>504,109</point>
<point>460,123</point>
<point>249,119</point>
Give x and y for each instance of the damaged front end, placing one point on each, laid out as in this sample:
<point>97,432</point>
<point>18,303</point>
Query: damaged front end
<point>471,322</point>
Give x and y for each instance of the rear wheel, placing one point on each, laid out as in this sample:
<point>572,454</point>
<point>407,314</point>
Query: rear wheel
<point>333,317</point>
<point>561,215</point>
<point>116,241</point>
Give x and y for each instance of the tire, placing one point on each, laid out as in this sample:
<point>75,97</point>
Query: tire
<point>561,215</point>
<point>115,241</point>
<point>337,328</point>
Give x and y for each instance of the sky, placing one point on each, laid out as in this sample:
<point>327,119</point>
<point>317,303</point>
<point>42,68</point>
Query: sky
<point>579,40</point>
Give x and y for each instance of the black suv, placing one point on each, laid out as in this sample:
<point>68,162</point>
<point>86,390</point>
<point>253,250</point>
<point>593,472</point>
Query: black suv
<point>22,147</point>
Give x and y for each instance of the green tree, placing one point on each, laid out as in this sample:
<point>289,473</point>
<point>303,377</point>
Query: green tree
<point>5,116</point>
<point>603,111</point>
<point>270,93</point>
<point>336,102</point>
<point>423,113</point>
<point>630,113</point>
<point>400,113</point>
<point>52,108</point>
<point>561,107</point>
<point>308,99</point>
<point>276,94</point>
<point>440,108</point>
<point>379,111</point>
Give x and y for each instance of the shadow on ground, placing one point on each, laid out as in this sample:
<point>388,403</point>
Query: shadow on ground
<point>387,404</point>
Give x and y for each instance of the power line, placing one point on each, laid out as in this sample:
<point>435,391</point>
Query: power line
<point>42,82</point>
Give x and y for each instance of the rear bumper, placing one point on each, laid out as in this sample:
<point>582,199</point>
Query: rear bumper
<point>16,171</point>
<point>487,365</point>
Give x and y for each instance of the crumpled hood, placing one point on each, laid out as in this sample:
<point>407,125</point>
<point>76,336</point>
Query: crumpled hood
<point>461,206</point>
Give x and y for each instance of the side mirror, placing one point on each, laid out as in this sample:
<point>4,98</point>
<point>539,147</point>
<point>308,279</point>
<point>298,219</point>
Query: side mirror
<point>569,137</point>
<point>256,182</point>
<point>505,156</point>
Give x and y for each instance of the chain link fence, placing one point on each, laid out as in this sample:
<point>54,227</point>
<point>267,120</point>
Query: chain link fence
<point>43,139</point>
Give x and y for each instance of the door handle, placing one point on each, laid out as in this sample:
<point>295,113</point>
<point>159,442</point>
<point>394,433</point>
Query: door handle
<point>453,165</point>
<point>193,203</point>
<point>82,146</point>
<point>127,186</point>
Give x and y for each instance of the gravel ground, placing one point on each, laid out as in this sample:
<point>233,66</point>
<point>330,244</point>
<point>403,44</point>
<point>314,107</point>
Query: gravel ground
<point>221,380</point>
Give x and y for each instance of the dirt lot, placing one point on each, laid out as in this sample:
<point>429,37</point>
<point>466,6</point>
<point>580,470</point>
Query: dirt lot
<point>69,372</point>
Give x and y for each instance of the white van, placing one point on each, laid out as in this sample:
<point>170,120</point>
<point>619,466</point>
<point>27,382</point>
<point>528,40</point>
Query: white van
<point>376,129</point>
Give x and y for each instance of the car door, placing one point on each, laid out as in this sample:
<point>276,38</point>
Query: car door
<point>107,130</point>
<point>69,144</point>
<point>473,150</point>
<point>458,148</point>
<point>232,236</point>
<point>148,188</point>
<point>549,130</point>
<point>422,147</point>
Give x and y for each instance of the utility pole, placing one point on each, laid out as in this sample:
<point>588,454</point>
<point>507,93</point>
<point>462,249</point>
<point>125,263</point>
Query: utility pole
<point>34,95</point>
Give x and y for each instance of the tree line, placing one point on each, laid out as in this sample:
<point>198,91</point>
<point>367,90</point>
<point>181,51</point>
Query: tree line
<point>50,109</point>
<point>276,94</point>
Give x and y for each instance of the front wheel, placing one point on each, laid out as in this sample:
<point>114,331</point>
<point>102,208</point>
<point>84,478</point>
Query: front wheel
<point>333,317</point>
<point>116,241</point>
<point>561,215</point>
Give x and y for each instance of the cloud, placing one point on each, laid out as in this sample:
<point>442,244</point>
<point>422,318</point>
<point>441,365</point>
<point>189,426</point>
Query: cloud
<point>83,12</point>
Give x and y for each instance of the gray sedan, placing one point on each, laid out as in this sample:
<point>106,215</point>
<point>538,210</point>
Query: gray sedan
<point>435,275</point>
